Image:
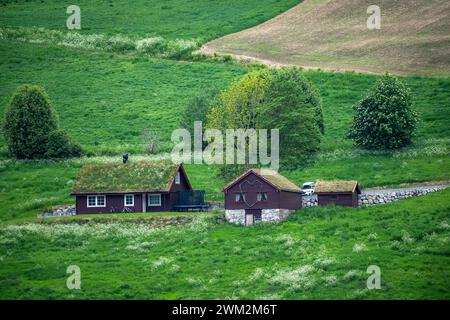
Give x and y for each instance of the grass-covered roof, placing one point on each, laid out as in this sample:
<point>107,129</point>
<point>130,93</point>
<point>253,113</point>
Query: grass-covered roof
<point>277,179</point>
<point>272,176</point>
<point>336,186</point>
<point>129,177</point>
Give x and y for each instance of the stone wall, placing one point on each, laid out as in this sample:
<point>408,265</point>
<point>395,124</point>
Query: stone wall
<point>274,215</point>
<point>309,201</point>
<point>235,216</point>
<point>60,211</point>
<point>373,197</point>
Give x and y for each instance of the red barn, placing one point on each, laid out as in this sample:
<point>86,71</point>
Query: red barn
<point>154,186</point>
<point>339,193</point>
<point>260,195</point>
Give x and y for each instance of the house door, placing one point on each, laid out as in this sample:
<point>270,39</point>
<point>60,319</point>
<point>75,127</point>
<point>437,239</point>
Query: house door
<point>251,216</point>
<point>249,219</point>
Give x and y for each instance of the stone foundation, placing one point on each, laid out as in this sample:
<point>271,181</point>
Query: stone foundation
<point>267,215</point>
<point>275,215</point>
<point>235,216</point>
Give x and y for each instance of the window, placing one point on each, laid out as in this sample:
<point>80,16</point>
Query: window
<point>257,217</point>
<point>154,200</point>
<point>96,201</point>
<point>129,200</point>
<point>239,197</point>
<point>177,178</point>
<point>262,196</point>
<point>92,201</point>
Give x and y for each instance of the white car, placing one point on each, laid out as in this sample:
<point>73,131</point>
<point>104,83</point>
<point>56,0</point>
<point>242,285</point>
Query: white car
<point>308,188</point>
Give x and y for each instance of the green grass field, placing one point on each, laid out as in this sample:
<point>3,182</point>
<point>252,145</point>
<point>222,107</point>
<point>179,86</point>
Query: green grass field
<point>320,253</point>
<point>122,95</point>
<point>105,100</point>
<point>200,19</point>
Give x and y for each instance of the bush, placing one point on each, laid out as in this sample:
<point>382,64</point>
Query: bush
<point>60,146</point>
<point>384,118</point>
<point>31,127</point>
<point>29,119</point>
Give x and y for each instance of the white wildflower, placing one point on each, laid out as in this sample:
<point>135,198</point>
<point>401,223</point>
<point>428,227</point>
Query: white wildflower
<point>359,247</point>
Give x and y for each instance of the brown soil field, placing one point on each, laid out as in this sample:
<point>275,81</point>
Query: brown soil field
<point>414,38</point>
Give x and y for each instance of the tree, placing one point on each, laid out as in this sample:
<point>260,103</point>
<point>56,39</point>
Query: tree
<point>292,106</point>
<point>150,140</point>
<point>197,109</point>
<point>384,119</point>
<point>31,127</point>
<point>273,99</point>
<point>236,106</point>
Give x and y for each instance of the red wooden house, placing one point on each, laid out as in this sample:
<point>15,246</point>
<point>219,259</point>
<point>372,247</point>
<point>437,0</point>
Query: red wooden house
<point>154,186</point>
<point>260,195</point>
<point>339,193</point>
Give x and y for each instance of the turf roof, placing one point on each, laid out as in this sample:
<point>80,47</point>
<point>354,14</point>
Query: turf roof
<point>336,186</point>
<point>273,177</point>
<point>139,176</point>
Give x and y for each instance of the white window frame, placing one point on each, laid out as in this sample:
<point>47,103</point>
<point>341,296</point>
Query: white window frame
<point>241,197</point>
<point>154,204</point>
<point>125,200</point>
<point>260,197</point>
<point>96,201</point>
<point>178,178</point>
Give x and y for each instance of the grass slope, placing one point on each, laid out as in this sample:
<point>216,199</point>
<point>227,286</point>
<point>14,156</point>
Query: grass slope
<point>203,19</point>
<point>319,253</point>
<point>413,38</point>
<point>106,100</point>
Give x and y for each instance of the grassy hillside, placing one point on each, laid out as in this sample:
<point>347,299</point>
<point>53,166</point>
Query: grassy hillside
<point>413,39</point>
<point>202,19</point>
<point>106,100</point>
<point>319,253</point>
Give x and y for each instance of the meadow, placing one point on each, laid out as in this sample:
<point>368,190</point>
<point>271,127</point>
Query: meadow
<point>123,94</point>
<point>172,19</point>
<point>318,253</point>
<point>104,101</point>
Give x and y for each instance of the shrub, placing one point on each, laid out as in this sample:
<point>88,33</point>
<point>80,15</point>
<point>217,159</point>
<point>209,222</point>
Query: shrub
<point>29,119</point>
<point>60,146</point>
<point>154,46</point>
<point>384,118</point>
<point>31,127</point>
